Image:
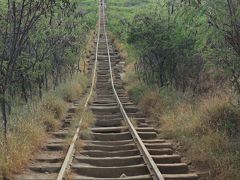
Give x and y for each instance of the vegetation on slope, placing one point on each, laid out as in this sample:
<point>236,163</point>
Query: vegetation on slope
<point>29,125</point>
<point>207,128</point>
<point>186,63</point>
<point>43,46</point>
<point>41,43</point>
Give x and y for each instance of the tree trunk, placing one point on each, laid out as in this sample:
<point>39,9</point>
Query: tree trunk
<point>24,91</point>
<point>4,113</point>
<point>40,87</point>
<point>46,80</point>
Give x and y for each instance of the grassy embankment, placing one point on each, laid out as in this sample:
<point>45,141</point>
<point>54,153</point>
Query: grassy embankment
<point>29,124</point>
<point>206,127</point>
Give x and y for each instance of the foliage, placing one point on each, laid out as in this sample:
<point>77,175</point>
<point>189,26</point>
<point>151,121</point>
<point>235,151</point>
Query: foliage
<point>217,25</point>
<point>167,53</point>
<point>182,44</point>
<point>189,49</point>
<point>119,14</point>
<point>40,43</point>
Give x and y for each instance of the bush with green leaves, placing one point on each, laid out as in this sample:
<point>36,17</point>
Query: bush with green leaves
<point>41,43</point>
<point>167,51</point>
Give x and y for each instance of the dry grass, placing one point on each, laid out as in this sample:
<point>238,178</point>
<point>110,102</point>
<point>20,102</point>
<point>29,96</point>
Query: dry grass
<point>28,132</point>
<point>74,89</point>
<point>86,134</point>
<point>79,145</point>
<point>134,122</point>
<point>22,142</point>
<point>219,114</point>
<point>29,125</point>
<point>120,48</point>
<point>49,121</point>
<point>54,105</point>
<point>88,120</point>
<point>86,53</point>
<point>84,61</point>
<point>208,130</point>
<point>151,102</point>
<point>52,109</point>
<point>90,101</point>
<point>125,125</point>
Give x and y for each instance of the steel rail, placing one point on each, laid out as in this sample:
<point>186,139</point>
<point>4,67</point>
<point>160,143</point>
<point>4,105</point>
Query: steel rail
<point>71,149</point>
<point>155,173</point>
<point>153,169</point>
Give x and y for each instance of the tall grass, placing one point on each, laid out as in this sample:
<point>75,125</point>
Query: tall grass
<point>29,125</point>
<point>71,90</point>
<point>208,129</point>
<point>87,122</point>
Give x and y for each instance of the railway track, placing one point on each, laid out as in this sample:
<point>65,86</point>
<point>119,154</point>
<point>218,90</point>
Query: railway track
<point>118,149</point>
